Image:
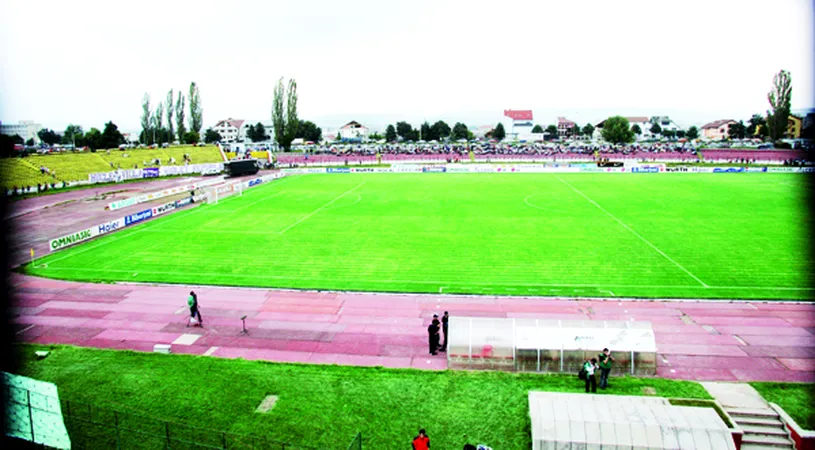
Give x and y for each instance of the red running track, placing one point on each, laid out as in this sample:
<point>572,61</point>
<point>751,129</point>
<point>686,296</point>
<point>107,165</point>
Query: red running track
<point>722,341</point>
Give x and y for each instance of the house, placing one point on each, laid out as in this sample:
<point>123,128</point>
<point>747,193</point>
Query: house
<point>644,124</point>
<point>231,130</point>
<point>522,125</point>
<point>353,130</point>
<point>717,130</point>
<point>564,127</point>
<point>794,126</point>
<point>665,123</point>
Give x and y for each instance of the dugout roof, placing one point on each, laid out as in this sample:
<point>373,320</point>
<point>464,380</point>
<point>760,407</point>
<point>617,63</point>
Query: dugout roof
<point>572,421</point>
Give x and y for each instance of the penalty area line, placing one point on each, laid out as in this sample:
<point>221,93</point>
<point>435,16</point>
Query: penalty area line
<point>632,231</point>
<point>321,208</point>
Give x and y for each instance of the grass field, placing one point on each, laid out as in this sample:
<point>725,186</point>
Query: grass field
<point>319,406</point>
<point>627,235</point>
<point>797,399</point>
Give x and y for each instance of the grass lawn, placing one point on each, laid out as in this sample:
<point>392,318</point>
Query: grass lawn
<point>797,399</point>
<point>320,406</point>
<point>743,235</point>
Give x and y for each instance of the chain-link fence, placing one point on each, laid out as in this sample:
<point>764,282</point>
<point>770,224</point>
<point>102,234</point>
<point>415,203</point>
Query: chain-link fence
<point>92,427</point>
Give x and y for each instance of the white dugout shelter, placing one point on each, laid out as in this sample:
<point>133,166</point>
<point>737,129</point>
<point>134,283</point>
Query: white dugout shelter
<point>541,345</point>
<point>615,422</point>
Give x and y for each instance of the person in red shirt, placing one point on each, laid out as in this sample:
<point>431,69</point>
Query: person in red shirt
<point>421,442</point>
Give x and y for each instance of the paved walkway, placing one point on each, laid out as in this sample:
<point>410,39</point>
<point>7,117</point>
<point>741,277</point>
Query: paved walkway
<point>736,395</point>
<point>695,340</point>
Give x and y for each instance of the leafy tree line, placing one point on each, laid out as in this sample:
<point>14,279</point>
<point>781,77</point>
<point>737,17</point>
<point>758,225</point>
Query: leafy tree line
<point>154,130</point>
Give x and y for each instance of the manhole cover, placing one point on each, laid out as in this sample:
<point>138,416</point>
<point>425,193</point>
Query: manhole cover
<point>267,404</point>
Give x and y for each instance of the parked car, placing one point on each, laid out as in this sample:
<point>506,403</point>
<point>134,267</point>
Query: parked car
<point>765,146</point>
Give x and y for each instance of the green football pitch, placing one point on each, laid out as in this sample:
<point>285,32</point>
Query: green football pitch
<point>736,236</point>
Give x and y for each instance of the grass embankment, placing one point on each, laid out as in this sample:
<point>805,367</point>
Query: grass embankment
<point>320,406</point>
<point>797,399</point>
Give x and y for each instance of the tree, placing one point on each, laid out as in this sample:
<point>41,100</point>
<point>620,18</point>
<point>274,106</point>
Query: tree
<point>29,142</point>
<point>737,130</point>
<point>191,137</point>
<point>196,111</point>
<point>440,130</point>
<point>693,133</point>
<point>670,134</point>
<point>656,129</point>
<point>588,130</point>
<point>257,133</point>
<point>551,130</point>
<point>284,113</point>
<point>168,106</point>
<point>680,133</point>
<point>179,117</point>
<point>404,130</point>
<point>499,133</point>
<point>7,143</point>
<point>93,139</point>
<point>537,129</point>
<point>211,136</point>
<point>780,98</point>
<point>309,131</point>
<point>146,119</point>
<point>425,133</point>
<point>390,133</point>
<point>460,131</point>
<point>636,129</point>
<point>48,136</point>
<point>158,121</point>
<point>73,135</point>
<point>757,126</point>
<point>617,130</point>
<point>111,137</point>
<point>575,131</point>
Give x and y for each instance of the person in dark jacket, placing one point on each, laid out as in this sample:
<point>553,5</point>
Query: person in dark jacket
<point>433,336</point>
<point>444,319</point>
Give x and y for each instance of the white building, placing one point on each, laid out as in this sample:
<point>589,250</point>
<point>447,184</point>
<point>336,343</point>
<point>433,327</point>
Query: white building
<point>353,130</point>
<point>665,123</point>
<point>231,130</point>
<point>26,129</point>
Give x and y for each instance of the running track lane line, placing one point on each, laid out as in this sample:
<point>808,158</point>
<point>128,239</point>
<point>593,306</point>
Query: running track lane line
<point>321,208</point>
<point>632,231</point>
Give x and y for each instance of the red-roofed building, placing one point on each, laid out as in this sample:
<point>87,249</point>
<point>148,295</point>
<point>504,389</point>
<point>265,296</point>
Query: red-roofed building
<point>521,124</point>
<point>353,130</point>
<point>231,130</point>
<point>564,127</point>
<point>519,115</point>
<point>718,129</point>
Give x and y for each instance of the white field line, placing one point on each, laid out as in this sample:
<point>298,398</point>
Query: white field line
<point>632,231</point>
<point>446,283</point>
<point>321,208</point>
<point>147,226</point>
<point>256,202</point>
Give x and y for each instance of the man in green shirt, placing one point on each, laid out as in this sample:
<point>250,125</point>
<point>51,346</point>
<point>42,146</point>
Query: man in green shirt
<point>192,301</point>
<point>605,359</point>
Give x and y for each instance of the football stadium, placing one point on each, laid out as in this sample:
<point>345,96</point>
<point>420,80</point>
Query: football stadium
<point>316,225</point>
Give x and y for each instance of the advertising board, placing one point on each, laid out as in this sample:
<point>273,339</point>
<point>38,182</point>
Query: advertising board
<point>338,170</point>
<point>167,207</point>
<point>138,217</point>
<point>434,169</point>
<point>150,172</point>
<point>728,169</point>
<point>73,238</point>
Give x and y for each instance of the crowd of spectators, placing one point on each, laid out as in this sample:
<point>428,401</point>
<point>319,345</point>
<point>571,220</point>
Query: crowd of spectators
<point>463,149</point>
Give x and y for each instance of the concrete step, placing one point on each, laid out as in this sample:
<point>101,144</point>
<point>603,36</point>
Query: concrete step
<point>740,412</point>
<point>765,447</point>
<point>766,440</point>
<point>760,421</point>
<point>766,430</point>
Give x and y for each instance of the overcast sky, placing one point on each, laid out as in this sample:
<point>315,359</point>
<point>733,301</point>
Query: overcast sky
<point>87,62</point>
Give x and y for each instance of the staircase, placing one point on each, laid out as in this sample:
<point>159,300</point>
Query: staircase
<point>763,429</point>
<point>762,426</point>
